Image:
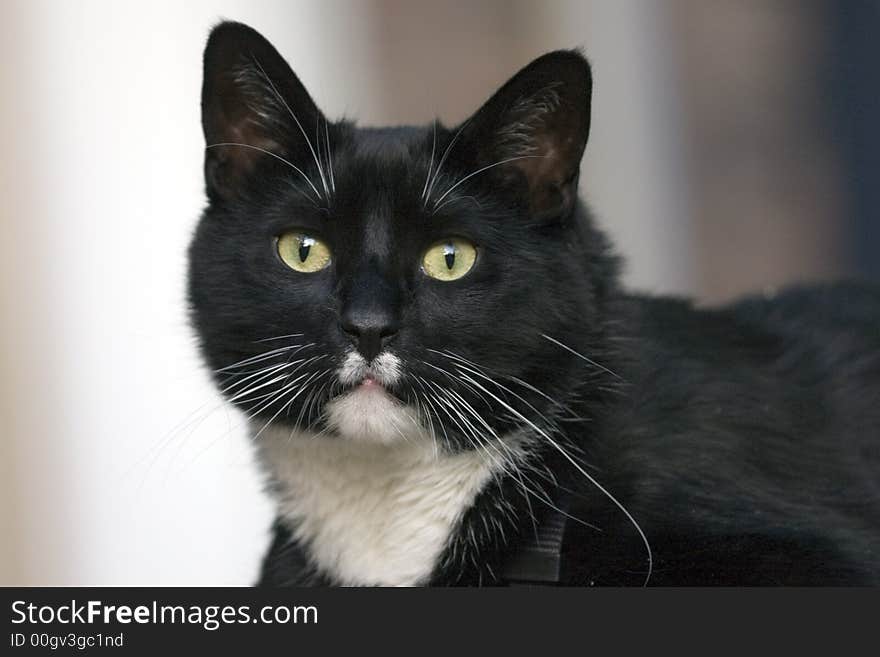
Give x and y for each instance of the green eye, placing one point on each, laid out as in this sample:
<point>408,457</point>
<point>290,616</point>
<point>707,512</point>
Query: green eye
<point>303,252</point>
<point>449,260</point>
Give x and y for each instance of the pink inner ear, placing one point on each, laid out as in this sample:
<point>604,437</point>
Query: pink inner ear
<point>241,147</point>
<point>551,176</point>
<point>543,133</point>
<point>254,137</point>
<point>246,108</point>
<point>541,169</point>
<point>240,134</point>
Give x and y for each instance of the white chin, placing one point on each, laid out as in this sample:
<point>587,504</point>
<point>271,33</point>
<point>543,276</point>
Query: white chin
<point>369,414</point>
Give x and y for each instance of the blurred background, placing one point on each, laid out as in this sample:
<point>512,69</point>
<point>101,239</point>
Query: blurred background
<point>734,148</point>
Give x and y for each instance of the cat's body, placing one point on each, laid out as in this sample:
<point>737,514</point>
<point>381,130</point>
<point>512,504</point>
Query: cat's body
<point>765,473</point>
<point>420,426</point>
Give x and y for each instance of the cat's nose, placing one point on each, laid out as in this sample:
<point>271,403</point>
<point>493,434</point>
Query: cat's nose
<point>371,310</point>
<point>369,331</point>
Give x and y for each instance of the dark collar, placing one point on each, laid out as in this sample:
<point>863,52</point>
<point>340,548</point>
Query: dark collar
<point>539,559</point>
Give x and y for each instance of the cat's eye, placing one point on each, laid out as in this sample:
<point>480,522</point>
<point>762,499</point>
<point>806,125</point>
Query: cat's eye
<point>303,252</point>
<point>449,259</point>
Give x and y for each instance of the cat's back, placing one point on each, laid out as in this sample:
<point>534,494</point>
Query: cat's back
<point>849,311</point>
<point>756,423</point>
<point>801,332</point>
<point>828,339</point>
<point>804,361</point>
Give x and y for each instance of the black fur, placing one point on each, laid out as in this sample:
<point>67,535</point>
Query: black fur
<point>745,441</point>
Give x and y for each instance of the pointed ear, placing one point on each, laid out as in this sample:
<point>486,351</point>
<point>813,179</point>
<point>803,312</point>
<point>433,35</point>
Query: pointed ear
<point>537,125</point>
<point>253,107</point>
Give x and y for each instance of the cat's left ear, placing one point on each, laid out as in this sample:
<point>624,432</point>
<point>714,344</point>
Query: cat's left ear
<point>537,125</point>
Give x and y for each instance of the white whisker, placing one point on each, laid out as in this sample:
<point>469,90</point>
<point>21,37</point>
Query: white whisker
<point>443,160</point>
<point>481,170</point>
<point>281,337</point>
<point>299,125</point>
<point>453,199</point>
<point>287,404</point>
<point>431,163</point>
<point>329,157</point>
<point>581,356</point>
<point>276,156</point>
<point>592,480</point>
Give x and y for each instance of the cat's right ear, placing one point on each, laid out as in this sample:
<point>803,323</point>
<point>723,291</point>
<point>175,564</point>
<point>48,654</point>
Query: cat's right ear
<point>534,130</point>
<point>253,107</point>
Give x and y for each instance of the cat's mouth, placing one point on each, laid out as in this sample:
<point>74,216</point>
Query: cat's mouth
<point>381,374</point>
<point>369,406</point>
<point>370,384</point>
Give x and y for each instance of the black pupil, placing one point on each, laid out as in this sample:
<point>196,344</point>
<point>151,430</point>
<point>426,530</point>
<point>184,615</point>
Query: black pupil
<point>449,255</point>
<point>304,247</point>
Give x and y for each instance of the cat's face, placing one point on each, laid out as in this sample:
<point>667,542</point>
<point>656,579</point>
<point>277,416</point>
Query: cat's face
<point>375,283</point>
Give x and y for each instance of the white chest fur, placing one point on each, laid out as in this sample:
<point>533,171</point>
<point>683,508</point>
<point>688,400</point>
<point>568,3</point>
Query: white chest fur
<point>369,513</point>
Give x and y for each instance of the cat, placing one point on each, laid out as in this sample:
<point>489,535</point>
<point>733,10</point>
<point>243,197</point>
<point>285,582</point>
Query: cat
<point>448,385</point>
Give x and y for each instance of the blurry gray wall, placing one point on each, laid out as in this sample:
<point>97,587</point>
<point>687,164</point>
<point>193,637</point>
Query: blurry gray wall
<point>764,178</point>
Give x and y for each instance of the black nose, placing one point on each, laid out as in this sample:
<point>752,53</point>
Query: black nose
<point>369,331</point>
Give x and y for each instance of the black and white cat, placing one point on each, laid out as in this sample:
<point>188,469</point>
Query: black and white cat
<point>426,331</point>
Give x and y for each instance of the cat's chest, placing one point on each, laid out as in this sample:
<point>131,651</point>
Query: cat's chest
<point>370,514</point>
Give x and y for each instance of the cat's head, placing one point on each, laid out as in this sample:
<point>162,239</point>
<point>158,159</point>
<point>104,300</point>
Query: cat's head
<point>383,283</point>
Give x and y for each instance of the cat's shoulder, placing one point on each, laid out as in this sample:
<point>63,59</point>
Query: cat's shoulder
<point>805,332</point>
<point>852,305</point>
